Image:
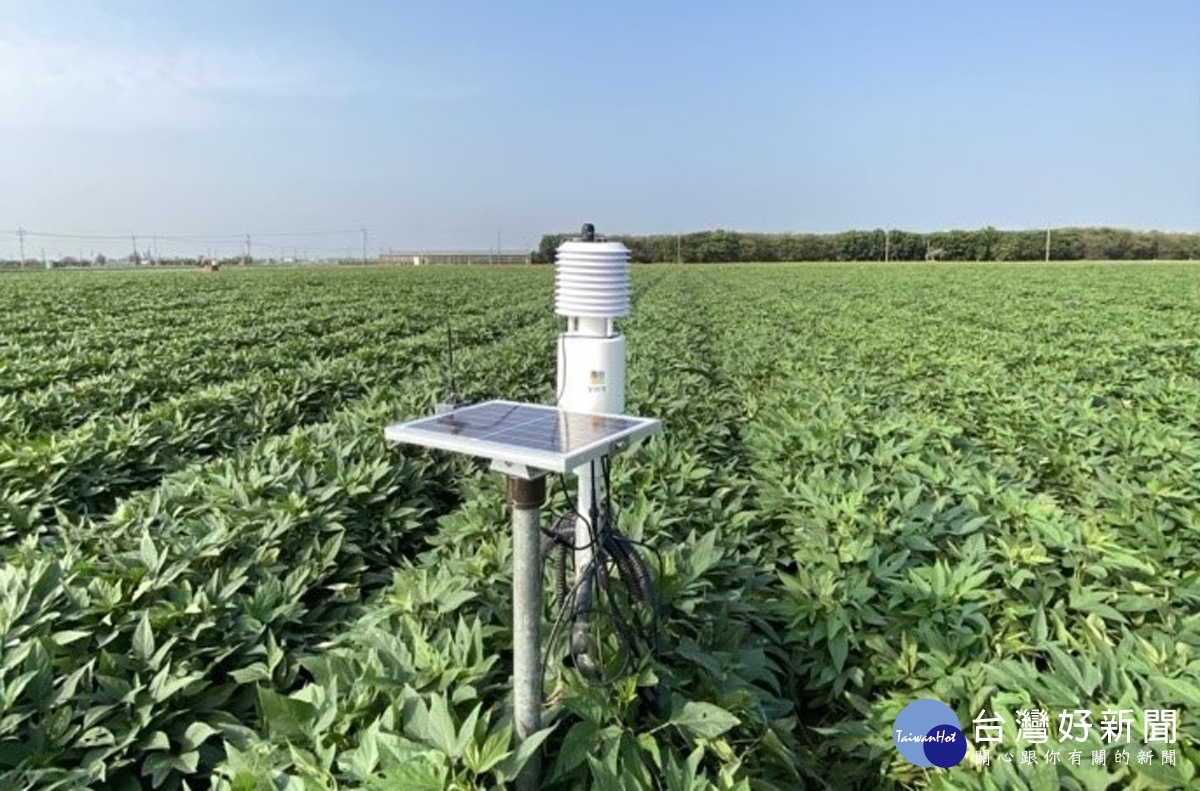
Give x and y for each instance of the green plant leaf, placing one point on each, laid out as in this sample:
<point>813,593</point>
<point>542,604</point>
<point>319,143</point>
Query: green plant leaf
<point>704,720</point>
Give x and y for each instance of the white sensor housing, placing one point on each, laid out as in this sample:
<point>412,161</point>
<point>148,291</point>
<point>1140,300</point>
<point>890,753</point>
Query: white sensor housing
<point>591,291</point>
<point>592,280</point>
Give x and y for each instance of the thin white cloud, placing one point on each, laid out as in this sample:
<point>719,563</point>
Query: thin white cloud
<point>118,80</point>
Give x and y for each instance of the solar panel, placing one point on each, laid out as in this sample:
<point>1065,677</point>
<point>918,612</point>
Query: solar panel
<point>532,436</point>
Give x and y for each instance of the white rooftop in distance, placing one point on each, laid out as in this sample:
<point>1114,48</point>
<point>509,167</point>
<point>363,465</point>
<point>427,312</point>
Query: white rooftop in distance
<point>525,439</point>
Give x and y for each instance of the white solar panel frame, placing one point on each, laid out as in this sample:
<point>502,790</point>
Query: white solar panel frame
<point>526,461</point>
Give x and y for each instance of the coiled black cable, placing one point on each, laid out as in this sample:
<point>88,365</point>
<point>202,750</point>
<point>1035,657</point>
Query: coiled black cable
<point>616,576</point>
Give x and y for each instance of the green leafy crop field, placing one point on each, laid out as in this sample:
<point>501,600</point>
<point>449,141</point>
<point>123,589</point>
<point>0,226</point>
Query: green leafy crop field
<point>875,484</point>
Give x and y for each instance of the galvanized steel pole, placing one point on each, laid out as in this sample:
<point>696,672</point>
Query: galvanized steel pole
<point>527,498</point>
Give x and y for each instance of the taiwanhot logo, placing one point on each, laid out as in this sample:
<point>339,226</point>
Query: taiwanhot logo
<point>927,733</point>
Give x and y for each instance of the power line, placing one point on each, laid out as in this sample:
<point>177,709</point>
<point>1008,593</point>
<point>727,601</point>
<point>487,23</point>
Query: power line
<point>293,248</point>
<point>91,237</point>
<point>328,242</point>
<point>101,237</point>
<point>218,238</point>
<point>341,232</point>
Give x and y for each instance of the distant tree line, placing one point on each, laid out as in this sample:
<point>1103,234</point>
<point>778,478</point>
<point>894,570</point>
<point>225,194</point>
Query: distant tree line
<point>986,244</point>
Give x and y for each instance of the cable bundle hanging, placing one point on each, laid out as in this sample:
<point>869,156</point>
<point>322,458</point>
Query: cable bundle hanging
<point>615,584</point>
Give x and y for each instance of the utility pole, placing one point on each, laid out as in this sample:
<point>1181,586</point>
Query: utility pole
<point>364,233</point>
<point>247,262</point>
<point>1047,244</point>
<point>499,249</point>
<point>21,237</point>
<point>137,259</point>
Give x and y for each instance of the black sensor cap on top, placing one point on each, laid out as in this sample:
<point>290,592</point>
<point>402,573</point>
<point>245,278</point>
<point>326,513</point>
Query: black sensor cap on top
<point>589,233</point>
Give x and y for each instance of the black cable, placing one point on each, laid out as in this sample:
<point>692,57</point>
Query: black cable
<point>604,466</point>
<point>621,549</point>
<point>594,507</point>
<point>631,568</point>
<point>562,371</point>
<point>558,539</point>
<point>581,642</point>
<point>559,620</point>
<point>615,558</point>
<point>624,553</point>
<point>573,513</point>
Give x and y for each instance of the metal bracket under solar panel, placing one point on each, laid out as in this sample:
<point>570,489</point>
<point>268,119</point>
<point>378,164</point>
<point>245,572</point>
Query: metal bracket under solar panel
<point>525,440</point>
<point>516,470</point>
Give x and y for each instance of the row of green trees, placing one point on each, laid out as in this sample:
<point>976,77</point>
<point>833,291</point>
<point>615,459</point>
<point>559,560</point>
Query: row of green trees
<point>986,244</point>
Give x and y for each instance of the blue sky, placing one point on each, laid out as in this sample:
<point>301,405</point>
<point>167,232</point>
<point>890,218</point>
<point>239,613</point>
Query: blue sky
<point>439,124</point>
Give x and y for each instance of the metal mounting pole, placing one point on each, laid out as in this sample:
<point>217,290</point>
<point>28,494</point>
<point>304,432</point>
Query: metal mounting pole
<point>527,498</point>
<point>587,528</point>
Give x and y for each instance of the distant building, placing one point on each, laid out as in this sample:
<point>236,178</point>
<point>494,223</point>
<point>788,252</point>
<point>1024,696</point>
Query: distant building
<point>413,258</point>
